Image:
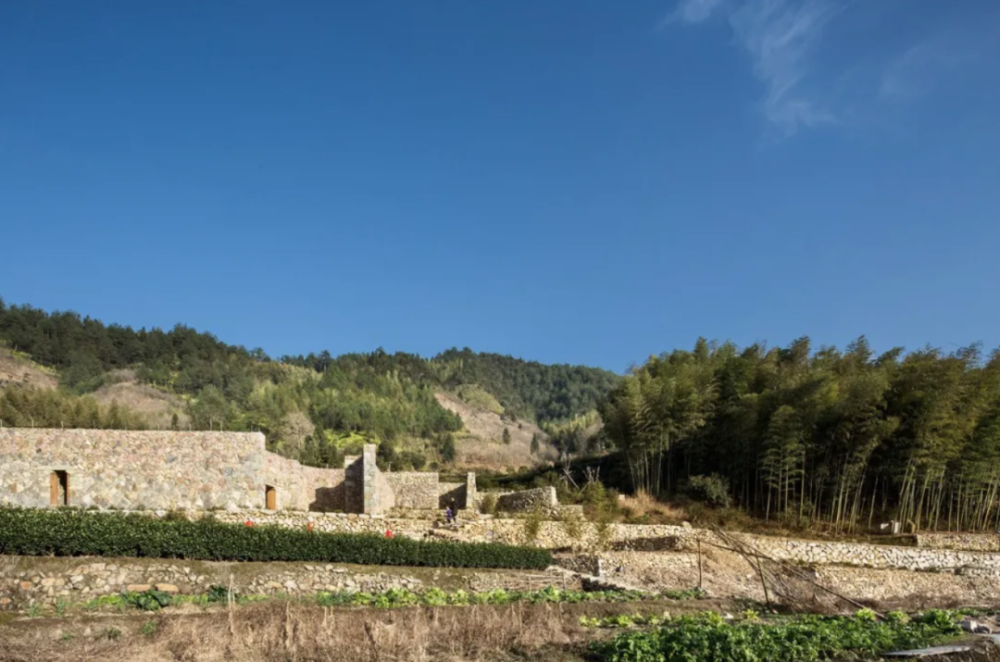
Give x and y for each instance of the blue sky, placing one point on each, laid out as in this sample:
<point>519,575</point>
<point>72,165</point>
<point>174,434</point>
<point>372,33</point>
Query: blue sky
<point>572,181</point>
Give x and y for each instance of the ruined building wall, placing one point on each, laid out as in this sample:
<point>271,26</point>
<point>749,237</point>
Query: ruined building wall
<point>304,488</point>
<point>130,470</point>
<point>414,490</point>
<point>165,470</point>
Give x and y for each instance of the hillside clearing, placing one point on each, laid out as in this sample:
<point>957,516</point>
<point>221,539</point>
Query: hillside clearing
<point>483,447</point>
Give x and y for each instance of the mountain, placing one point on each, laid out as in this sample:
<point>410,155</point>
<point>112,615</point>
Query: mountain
<point>66,370</point>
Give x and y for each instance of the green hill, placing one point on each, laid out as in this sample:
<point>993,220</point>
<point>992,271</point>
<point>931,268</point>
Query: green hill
<point>314,408</point>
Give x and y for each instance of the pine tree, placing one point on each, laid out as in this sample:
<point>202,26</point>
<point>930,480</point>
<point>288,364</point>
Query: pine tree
<point>506,436</point>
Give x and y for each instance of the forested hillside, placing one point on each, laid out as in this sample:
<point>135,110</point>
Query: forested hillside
<point>844,437</point>
<point>313,407</point>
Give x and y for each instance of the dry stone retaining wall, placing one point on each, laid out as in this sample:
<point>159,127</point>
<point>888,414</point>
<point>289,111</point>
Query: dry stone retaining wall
<point>871,556</point>
<point>26,581</point>
<point>973,542</point>
<point>543,498</point>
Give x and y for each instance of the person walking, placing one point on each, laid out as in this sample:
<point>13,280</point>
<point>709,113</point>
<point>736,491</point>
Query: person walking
<point>449,517</point>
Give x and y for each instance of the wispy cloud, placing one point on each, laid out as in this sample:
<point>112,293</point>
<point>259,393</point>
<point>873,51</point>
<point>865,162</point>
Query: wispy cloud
<point>780,37</point>
<point>912,74</point>
<point>693,11</point>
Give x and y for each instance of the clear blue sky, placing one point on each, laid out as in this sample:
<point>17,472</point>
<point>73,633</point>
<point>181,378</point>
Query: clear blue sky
<point>573,181</point>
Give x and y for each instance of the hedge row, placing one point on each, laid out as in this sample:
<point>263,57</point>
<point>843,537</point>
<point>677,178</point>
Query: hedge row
<point>80,533</point>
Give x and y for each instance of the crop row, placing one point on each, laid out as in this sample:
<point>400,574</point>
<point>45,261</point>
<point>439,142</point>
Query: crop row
<point>79,533</point>
<point>393,598</point>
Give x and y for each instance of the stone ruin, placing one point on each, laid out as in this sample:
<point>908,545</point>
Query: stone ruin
<point>163,470</point>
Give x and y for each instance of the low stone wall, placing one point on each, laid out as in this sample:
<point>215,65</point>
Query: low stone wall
<point>414,490</point>
<point>728,575</point>
<point>543,498</point>
<point>25,581</point>
<point>973,542</point>
<point>871,556</point>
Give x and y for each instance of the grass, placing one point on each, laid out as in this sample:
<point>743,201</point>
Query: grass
<point>283,632</point>
<point>644,508</point>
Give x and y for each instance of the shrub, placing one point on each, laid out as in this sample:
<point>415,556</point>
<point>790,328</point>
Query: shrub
<point>572,525</point>
<point>80,533</point>
<point>532,526</point>
<point>712,489</point>
<point>489,504</point>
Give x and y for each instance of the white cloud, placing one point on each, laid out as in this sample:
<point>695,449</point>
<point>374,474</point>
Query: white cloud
<point>694,11</point>
<point>784,41</point>
<point>779,36</point>
<point>913,73</point>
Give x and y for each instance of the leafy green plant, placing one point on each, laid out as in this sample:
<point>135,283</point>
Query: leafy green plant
<point>30,532</point>
<point>709,637</point>
<point>148,628</point>
<point>151,600</point>
<point>218,593</point>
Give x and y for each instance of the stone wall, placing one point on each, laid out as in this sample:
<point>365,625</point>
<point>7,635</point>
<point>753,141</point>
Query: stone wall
<point>156,470</point>
<point>25,581</point>
<point>543,498</point>
<point>974,542</point>
<point>871,556</point>
<point>413,489</point>
<point>304,488</point>
<point>126,469</point>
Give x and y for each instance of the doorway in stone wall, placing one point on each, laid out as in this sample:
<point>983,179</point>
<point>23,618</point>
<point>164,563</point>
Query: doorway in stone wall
<point>59,489</point>
<point>270,497</point>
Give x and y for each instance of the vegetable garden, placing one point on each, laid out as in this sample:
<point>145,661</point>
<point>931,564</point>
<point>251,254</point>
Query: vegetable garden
<point>709,637</point>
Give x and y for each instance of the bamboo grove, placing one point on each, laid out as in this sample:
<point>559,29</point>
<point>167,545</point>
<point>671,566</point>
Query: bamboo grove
<point>842,437</point>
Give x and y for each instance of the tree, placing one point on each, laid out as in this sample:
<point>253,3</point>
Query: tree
<point>534,444</point>
<point>447,449</point>
<point>506,436</point>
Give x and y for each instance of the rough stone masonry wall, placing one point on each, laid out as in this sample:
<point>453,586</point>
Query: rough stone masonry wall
<point>304,488</point>
<point>872,556</point>
<point>127,469</point>
<point>728,575</point>
<point>528,500</point>
<point>25,581</point>
<point>414,490</point>
<point>973,542</point>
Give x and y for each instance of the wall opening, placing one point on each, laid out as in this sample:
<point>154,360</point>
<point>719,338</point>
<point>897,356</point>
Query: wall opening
<point>270,498</point>
<point>59,489</point>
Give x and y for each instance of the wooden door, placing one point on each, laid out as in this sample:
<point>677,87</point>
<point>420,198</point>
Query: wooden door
<point>271,497</point>
<point>54,489</point>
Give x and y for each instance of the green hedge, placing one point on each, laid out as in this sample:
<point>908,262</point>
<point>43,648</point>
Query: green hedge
<point>79,533</point>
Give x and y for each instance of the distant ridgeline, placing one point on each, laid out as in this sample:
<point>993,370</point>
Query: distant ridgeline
<point>314,408</point>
